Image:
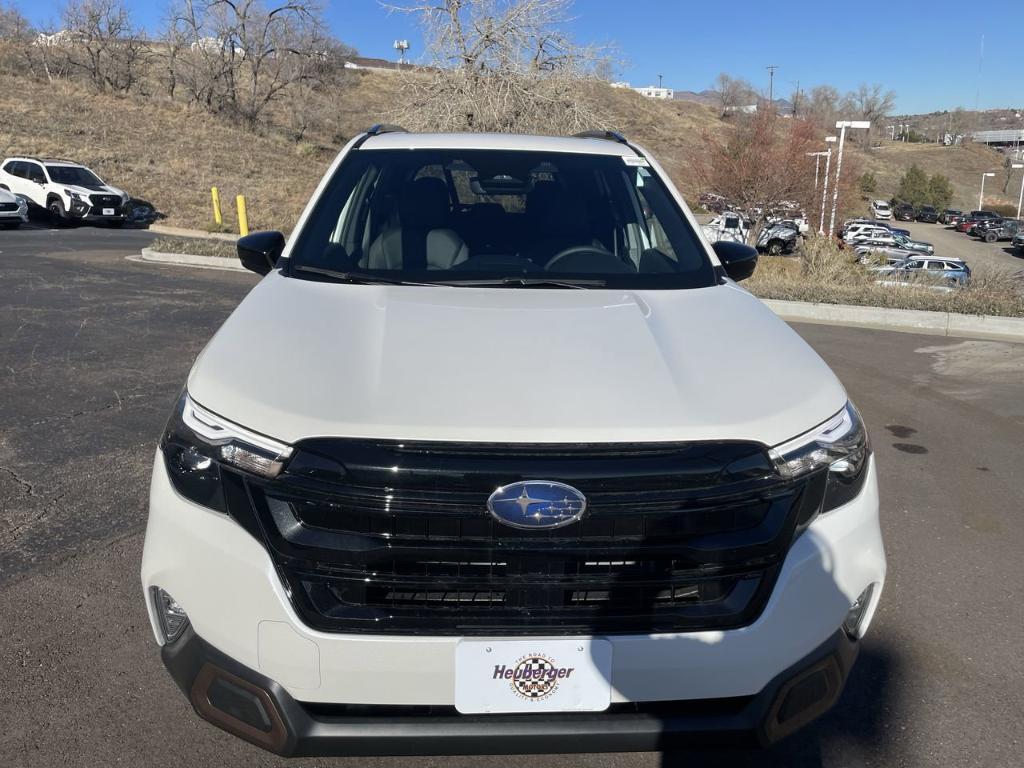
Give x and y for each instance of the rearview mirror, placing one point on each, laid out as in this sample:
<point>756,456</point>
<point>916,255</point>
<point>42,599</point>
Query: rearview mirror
<point>738,260</point>
<point>260,251</point>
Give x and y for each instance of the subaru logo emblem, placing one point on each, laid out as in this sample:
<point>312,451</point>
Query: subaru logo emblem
<point>537,504</point>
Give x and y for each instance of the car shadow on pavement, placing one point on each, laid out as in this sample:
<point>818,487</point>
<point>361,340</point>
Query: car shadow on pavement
<point>859,723</point>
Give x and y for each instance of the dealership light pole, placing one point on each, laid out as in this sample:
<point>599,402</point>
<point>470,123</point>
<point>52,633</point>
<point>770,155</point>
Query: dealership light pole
<point>824,192</point>
<point>1020,200</point>
<point>981,195</point>
<point>842,125</point>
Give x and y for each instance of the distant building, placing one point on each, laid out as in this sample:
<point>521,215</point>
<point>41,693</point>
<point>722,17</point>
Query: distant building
<point>747,109</point>
<point>63,37</point>
<point>1004,138</point>
<point>654,92</point>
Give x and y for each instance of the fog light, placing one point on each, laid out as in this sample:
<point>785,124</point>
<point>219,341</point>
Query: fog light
<point>854,617</point>
<point>172,617</point>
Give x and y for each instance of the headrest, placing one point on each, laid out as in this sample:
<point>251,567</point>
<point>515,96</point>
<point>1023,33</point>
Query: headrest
<point>425,204</point>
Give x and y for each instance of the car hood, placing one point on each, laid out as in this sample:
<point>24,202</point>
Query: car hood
<point>301,359</point>
<point>94,189</point>
<point>7,197</point>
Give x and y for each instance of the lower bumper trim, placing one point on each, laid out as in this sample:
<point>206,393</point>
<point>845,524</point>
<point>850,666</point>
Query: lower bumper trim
<point>255,708</point>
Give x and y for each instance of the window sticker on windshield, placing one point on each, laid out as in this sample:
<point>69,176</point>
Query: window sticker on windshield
<point>633,160</point>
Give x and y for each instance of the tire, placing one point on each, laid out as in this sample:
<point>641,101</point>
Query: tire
<point>775,248</point>
<point>991,237</point>
<point>58,217</point>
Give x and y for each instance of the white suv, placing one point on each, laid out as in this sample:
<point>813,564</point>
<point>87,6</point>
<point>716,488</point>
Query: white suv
<point>881,209</point>
<point>499,458</point>
<point>67,190</point>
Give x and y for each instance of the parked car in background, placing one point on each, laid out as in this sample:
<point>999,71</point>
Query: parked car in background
<point>954,271</point>
<point>879,236</point>
<point>950,216</point>
<point>728,226</point>
<point>994,230</point>
<point>881,209</point>
<point>966,223</point>
<point>13,210</point>
<point>904,212</point>
<point>927,214</point>
<point>779,238</point>
<point>1018,244</point>
<point>69,191</point>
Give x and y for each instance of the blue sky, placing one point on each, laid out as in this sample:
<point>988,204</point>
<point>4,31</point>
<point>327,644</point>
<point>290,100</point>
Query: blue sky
<point>927,52</point>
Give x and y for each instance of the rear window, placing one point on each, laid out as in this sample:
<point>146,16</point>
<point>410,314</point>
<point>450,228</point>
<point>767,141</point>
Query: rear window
<point>499,216</point>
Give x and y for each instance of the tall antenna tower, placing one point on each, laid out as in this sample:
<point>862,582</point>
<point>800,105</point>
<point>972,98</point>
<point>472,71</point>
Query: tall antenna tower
<point>401,46</point>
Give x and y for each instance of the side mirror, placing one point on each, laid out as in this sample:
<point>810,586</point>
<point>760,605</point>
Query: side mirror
<point>738,259</point>
<point>260,251</point>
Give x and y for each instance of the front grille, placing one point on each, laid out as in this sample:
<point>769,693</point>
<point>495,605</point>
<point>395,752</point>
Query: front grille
<point>8,207</point>
<point>396,538</point>
<point>99,202</point>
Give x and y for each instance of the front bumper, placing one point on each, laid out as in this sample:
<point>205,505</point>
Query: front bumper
<point>19,215</point>
<point>236,602</point>
<point>255,708</point>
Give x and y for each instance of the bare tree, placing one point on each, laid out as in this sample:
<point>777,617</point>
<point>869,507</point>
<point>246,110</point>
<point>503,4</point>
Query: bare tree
<point>732,92</point>
<point>822,106</point>
<point>239,56</point>
<point>501,65</point>
<point>869,103</point>
<point>105,45</point>
<point>15,39</point>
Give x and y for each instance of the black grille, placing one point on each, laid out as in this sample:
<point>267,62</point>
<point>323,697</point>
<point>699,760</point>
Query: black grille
<point>99,202</point>
<point>373,537</point>
<point>8,206</point>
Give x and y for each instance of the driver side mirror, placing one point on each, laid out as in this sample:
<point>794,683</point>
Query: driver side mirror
<point>260,251</point>
<point>738,260</point>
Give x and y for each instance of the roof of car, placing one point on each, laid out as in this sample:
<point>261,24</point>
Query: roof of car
<point>506,141</point>
<point>46,160</point>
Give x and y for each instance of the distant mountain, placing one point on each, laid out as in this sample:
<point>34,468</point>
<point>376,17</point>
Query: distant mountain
<point>712,98</point>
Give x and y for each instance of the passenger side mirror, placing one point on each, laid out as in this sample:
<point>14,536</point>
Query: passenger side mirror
<point>260,251</point>
<point>738,260</point>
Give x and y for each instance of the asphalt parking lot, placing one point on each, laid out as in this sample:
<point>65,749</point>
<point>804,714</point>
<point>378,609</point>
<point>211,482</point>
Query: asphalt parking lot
<point>94,349</point>
<point>952,244</point>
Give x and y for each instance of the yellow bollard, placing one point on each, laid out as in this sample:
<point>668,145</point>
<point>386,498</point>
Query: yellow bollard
<point>243,219</point>
<point>217,218</point>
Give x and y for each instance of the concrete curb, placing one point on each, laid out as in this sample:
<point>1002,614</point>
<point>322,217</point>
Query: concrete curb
<point>904,320</point>
<point>188,260</point>
<point>163,229</point>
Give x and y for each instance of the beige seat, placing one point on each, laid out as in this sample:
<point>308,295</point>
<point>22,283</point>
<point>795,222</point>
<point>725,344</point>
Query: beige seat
<point>421,240</point>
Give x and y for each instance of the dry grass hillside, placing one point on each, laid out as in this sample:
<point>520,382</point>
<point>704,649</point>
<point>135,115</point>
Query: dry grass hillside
<point>963,165</point>
<point>171,155</point>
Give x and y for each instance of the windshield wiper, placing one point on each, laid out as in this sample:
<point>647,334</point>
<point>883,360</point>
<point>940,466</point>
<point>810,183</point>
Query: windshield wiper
<point>364,278</point>
<point>531,282</point>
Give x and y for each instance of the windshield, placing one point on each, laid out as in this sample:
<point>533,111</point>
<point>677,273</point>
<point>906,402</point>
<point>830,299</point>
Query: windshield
<point>499,217</point>
<point>74,175</point>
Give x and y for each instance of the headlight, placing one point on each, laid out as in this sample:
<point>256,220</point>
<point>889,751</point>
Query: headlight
<point>840,446</point>
<point>197,442</point>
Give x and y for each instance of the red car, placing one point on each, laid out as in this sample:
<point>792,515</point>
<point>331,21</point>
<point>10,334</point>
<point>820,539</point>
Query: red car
<point>966,224</point>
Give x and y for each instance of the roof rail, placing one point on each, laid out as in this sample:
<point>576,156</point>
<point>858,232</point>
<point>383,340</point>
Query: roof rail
<point>376,130</point>
<point>606,135</point>
<point>379,128</point>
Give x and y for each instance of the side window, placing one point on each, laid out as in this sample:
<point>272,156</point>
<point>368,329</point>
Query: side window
<point>35,173</point>
<point>9,167</point>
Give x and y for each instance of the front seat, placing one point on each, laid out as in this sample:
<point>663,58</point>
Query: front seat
<point>421,240</point>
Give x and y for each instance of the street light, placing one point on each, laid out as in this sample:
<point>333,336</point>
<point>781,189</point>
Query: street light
<point>824,192</point>
<point>981,195</point>
<point>1020,200</point>
<point>842,125</point>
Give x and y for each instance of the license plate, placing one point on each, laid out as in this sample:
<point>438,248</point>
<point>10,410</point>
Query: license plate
<point>108,211</point>
<point>532,676</point>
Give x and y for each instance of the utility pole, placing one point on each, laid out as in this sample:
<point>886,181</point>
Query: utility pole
<point>771,83</point>
<point>659,81</point>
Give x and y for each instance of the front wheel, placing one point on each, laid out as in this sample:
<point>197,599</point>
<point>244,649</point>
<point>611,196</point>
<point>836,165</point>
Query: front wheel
<point>991,237</point>
<point>58,217</point>
<point>774,248</point>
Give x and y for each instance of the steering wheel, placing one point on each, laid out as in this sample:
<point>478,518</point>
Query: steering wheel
<point>578,249</point>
